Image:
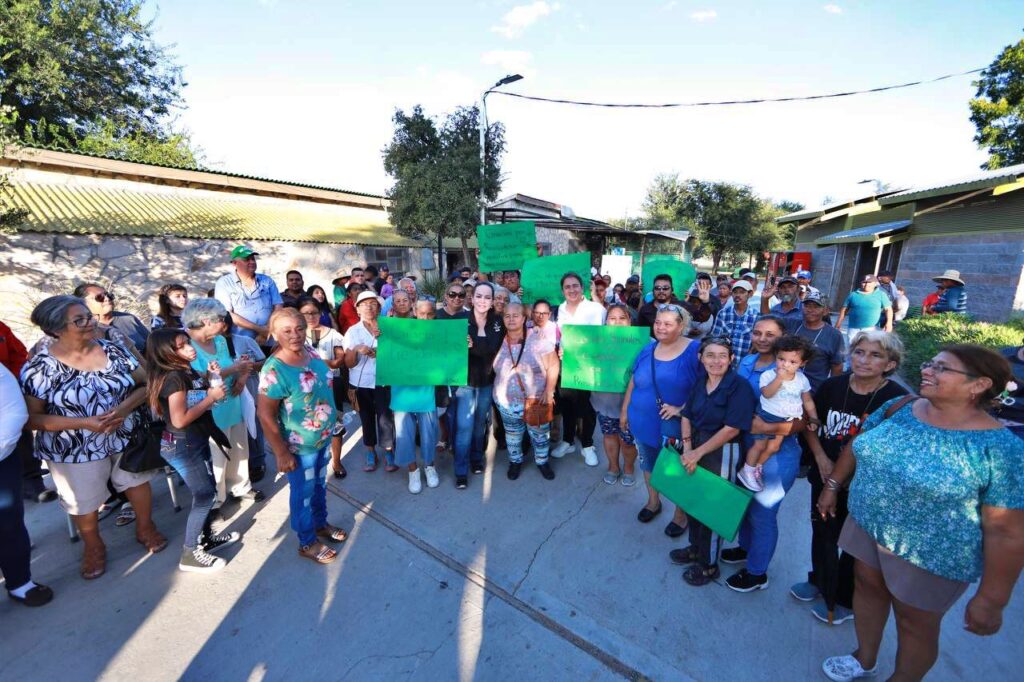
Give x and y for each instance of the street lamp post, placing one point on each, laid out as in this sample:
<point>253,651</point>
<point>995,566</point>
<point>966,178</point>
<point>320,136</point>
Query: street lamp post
<point>483,141</point>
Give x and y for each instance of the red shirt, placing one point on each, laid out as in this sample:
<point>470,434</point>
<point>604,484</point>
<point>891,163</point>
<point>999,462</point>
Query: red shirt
<point>12,351</point>
<point>930,300</point>
<point>347,315</point>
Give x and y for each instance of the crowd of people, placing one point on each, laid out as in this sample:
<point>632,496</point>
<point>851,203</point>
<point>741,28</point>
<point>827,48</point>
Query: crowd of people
<point>913,497</point>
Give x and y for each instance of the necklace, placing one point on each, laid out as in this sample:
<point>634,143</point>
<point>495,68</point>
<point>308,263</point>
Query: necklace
<point>814,341</point>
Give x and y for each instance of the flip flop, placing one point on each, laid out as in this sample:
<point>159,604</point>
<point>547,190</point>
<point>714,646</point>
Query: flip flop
<point>125,516</point>
<point>332,533</point>
<point>324,555</point>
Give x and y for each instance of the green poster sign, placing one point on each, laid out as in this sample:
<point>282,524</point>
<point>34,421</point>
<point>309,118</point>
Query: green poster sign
<point>422,352</point>
<point>683,274</point>
<point>506,246</point>
<point>542,277</point>
<point>600,358</point>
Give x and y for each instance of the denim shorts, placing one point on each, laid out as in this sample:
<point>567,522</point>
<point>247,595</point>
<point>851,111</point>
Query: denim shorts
<point>767,418</point>
<point>648,456</point>
<point>612,427</point>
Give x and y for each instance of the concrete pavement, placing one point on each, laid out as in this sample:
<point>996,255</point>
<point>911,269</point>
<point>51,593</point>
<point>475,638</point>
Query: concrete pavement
<point>544,580</point>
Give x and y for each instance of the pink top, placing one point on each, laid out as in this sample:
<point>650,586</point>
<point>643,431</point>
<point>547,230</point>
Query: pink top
<point>508,392</point>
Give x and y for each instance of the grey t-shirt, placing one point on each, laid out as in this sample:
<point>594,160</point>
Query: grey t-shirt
<point>828,346</point>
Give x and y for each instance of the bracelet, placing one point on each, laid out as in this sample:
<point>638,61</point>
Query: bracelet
<point>832,484</point>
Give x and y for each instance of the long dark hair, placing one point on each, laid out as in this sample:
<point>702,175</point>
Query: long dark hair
<point>164,300</point>
<point>324,307</point>
<point>161,359</point>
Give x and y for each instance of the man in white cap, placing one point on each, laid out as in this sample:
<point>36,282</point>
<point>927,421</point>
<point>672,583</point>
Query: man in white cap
<point>736,322</point>
<point>953,298</point>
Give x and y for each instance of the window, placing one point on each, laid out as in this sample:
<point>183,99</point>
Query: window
<point>396,258</point>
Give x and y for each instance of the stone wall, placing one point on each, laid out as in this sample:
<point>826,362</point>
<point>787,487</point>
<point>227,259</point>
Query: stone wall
<point>35,265</point>
<point>561,241</point>
<point>990,264</point>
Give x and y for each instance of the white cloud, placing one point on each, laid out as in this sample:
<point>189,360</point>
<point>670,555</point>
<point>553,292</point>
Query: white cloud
<point>833,9</point>
<point>704,15</point>
<point>670,5</point>
<point>520,17</point>
<point>510,61</point>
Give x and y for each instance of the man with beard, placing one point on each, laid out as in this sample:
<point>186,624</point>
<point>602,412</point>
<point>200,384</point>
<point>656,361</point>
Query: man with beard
<point>663,294</point>
<point>295,288</point>
<point>789,306</point>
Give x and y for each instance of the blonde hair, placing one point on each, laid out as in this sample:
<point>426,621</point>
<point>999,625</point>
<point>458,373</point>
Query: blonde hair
<point>282,314</point>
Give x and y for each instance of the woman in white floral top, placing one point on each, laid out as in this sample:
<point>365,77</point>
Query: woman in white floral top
<point>296,409</point>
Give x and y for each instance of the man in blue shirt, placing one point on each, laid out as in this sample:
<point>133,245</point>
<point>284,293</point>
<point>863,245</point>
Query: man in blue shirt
<point>953,298</point>
<point>789,306</point>
<point>249,297</point>
<point>865,307</point>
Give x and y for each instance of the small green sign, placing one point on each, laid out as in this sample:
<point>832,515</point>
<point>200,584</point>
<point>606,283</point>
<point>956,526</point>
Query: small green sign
<point>542,277</point>
<point>422,352</point>
<point>600,358</point>
<point>683,274</point>
<point>506,246</point>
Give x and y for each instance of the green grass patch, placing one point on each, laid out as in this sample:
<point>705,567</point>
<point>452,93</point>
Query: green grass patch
<point>923,337</point>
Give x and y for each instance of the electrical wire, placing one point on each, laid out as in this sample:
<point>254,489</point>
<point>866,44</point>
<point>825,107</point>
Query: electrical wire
<point>765,100</point>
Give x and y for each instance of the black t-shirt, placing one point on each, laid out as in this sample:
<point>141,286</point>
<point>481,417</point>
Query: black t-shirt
<point>840,408</point>
<point>481,355</point>
<point>195,387</point>
<point>828,350</point>
<point>443,314</point>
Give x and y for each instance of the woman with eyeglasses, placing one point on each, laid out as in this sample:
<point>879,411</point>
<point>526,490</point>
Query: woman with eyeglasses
<point>719,408</point>
<point>82,394</point>
<point>171,299</point>
<point>663,374</point>
<point>575,404</point>
<point>936,503</point>
<point>101,305</point>
<point>317,293</point>
<point>543,324</point>
<point>330,346</point>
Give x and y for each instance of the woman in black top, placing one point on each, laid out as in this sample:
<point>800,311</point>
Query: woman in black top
<point>473,402</point>
<point>183,399</point>
<point>843,403</point>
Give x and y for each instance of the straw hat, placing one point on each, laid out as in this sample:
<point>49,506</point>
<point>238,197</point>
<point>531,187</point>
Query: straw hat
<point>949,274</point>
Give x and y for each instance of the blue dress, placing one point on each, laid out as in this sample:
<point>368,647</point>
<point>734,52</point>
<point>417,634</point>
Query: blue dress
<point>675,379</point>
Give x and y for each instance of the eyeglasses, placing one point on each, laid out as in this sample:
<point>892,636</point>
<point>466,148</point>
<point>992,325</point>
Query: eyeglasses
<point>316,314</point>
<point>83,322</point>
<point>103,297</point>
<point>663,288</point>
<point>542,313</point>
<point>456,294</point>
<point>940,368</point>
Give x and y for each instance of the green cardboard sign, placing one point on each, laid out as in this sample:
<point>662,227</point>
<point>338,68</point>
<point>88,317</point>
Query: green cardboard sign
<point>542,277</point>
<point>506,246</point>
<point>707,497</point>
<point>683,274</point>
<point>600,358</point>
<point>422,352</point>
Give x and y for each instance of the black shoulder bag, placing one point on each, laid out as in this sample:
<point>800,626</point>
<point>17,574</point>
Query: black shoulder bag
<point>142,451</point>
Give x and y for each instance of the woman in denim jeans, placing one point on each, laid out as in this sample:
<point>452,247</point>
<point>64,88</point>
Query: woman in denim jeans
<point>181,396</point>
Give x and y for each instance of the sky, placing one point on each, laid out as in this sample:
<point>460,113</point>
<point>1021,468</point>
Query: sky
<point>304,90</point>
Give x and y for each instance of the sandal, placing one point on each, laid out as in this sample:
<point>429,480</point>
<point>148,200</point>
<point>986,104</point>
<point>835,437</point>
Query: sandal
<point>699,575</point>
<point>646,515</point>
<point>332,533</point>
<point>323,555</point>
<point>125,516</point>
<point>153,541</point>
<point>371,462</point>
<point>684,556</point>
<point>94,562</point>
<point>109,507</point>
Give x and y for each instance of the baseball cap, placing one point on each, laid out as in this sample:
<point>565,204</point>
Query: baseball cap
<point>367,295</point>
<point>384,267</point>
<point>788,278</point>
<point>814,297</point>
<point>750,274</point>
<point>633,279</point>
<point>742,284</point>
<point>242,251</point>
<point>868,278</point>
<point>803,274</point>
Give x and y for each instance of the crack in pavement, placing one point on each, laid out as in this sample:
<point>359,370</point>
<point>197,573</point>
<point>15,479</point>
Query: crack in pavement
<point>565,521</point>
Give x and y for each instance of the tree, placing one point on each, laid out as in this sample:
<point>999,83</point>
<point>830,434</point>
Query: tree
<point>724,216</point>
<point>81,68</point>
<point>997,111</point>
<point>174,149</point>
<point>788,232</point>
<point>437,174</point>
<point>10,215</point>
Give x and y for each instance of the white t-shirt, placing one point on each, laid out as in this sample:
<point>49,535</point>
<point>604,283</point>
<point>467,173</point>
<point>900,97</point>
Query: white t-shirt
<point>587,312</point>
<point>329,340</point>
<point>788,401</point>
<point>364,374</point>
<point>13,412</point>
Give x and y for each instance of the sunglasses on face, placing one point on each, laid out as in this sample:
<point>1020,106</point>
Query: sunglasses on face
<point>103,297</point>
<point>663,288</point>
<point>456,294</point>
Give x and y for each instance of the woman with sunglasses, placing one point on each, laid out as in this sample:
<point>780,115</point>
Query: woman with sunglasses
<point>101,305</point>
<point>330,346</point>
<point>454,300</point>
<point>936,502</point>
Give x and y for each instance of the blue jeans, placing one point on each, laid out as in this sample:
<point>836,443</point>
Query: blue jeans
<point>759,532</point>
<point>307,497</point>
<point>190,457</point>
<point>472,408</point>
<point>406,424</point>
<point>515,426</point>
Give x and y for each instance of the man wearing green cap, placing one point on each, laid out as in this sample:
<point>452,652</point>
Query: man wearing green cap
<point>249,297</point>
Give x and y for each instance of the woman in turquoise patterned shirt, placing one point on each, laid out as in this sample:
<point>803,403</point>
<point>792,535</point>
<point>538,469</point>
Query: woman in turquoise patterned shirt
<point>937,503</point>
<point>296,409</point>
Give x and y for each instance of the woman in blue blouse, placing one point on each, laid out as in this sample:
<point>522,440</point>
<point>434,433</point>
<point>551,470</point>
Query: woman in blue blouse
<point>759,533</point>
<point>937,502</point>
<point>653,401</point>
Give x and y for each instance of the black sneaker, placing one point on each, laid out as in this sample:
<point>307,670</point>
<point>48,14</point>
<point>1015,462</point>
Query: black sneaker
<point>513,470</point>
<point>745,581</point>
<point>684,556</point>
<point>477,467</point>
<point>461,482</point>
<point>546,471</point>
<point>199,560</point>
<point>252,496</point>
<point>217,541</point>
<point>734,555</point>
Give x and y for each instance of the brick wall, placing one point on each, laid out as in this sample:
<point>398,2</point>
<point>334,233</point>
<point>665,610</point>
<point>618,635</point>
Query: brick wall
<point>990,264</point>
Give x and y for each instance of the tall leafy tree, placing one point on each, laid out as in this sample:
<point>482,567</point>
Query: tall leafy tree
<point>724,214</point>
<point>436,172</point>
<point>79,68</point>
<point>10,215</point>
<point>997,111</point>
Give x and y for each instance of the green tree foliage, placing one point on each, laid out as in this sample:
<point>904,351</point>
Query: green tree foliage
<point>89,70</point>
<point>436,169</point>
<point>10,215</point>
<point>787,233</point>
<point>997,111</point>
<point>174,149</point>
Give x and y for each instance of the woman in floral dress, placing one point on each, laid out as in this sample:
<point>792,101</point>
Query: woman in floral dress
<point>296,409</point>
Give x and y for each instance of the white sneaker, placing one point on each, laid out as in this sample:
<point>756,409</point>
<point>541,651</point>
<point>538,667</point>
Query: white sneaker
<point>559,450</point>
<point>845,668</point>
<point>432,480</point>
<point>748,477</point>
<point>589,456</point>
<point>415,483</point>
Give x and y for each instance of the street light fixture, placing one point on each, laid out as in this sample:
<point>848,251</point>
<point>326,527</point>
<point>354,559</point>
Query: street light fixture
<point>512,78</point>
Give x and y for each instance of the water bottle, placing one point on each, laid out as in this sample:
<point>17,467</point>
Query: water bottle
<point>216,380</point>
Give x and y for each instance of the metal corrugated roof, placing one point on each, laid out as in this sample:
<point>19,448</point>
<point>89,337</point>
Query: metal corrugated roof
<point>863,234</point>
<point>118,208</point>
<point>981,180</point>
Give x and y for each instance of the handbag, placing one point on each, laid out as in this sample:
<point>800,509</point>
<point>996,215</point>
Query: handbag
<point>142,451</point>
<point>535,412</point>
